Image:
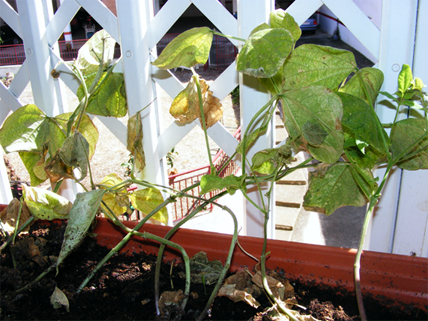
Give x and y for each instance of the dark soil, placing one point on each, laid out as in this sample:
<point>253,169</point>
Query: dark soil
<point>123,288</point>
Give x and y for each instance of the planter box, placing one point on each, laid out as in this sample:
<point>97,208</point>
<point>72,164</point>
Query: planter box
<point>392,279</point>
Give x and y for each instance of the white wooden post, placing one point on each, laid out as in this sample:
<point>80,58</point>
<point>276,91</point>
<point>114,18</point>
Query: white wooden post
<point>400,220</point>
<point>134,19</point>
<point>411,232</point>
<point>252,97</point>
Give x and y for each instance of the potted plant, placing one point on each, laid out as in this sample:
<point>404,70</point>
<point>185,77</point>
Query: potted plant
<point>330,118</point>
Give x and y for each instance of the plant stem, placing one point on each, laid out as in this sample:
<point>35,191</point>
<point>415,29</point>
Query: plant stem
<point>204,125</point>
<point>227,36</point>
<point>357,263</point>
<point>10,238</point>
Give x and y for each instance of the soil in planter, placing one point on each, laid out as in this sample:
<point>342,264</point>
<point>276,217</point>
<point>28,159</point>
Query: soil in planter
<point>123,288</point>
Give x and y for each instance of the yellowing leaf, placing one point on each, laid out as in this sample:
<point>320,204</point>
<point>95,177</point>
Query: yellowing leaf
<point>188,49</point>
<point>185,107</point>
<point>117,201</point>
<point>46,205</point>
<point>146,200</point>
<point>135,141</point>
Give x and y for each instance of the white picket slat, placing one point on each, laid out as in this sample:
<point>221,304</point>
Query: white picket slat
<point>165,18</point>
<point>10,16</point>
<point>357,22</point>
<point>219,16</point>
<point>102,15</point>
<point>65,13</point>
<point>303,9</point>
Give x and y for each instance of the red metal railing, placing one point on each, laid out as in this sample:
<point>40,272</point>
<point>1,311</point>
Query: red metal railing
<point>184,205</point>
<point>223,52</point>
<point>15,54</point>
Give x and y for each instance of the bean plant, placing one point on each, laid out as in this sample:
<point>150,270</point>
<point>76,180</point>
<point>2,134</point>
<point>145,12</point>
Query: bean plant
<point>328,108</point>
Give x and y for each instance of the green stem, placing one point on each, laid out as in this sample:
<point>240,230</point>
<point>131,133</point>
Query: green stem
<point>228,36</point>
<point>10,238</point>
<point>357,263</point>
<point>204,125</point>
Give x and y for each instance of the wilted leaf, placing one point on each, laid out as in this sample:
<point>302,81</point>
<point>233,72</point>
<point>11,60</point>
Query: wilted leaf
<point>188,49</point>
<point>90,54</point>
<point>313,65</point>
<point>281,289</point>
<point>230,291</point>
<point>57,170</point>
<point>135,141</point>
<point>117,201</point>
<point>367,80</point>
<point>46,205</point>
<point>404,134</point>
<point>9,216</point>
<point>362,121</point>
<point>59,299</point>
<point>232,183</point>
<point>264,53</point>
<point>333,189</point>
<point>169,301</point>
<point>322,108</point>
<point>86,128</point>
<point>80,218</point>
<point>146,200</point>
<point>203,271</point>
<point>185,107</point>
<point>109,99</point>
<point>75,153</point>
<point>281,19</point>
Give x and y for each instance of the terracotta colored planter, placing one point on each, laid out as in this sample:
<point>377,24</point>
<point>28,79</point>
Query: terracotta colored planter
<point>392,279</point>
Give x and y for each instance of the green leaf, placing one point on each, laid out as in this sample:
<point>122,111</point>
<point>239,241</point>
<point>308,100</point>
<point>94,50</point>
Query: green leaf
<point>146,200</point>
<point>190,48</point>
<point>109,99</point>
<point>264,53</point>
<point>21,130</point>
<point>281,19</point>
<point>80,219</point>
<point>212,182</point>
<point>262,161</point>
<point>333,189</point>
<point>90,54</point>
<point>46,205</point>
<point>404,135</point>
<point>250,139</point>
<point>405,78</point>
<point>360,119</point>
<point>317,65</point>
<point>117,200</point>
<point>75,153</point>
<point>135,141</point>
<point>322,108</point>
<point>370,79</point>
